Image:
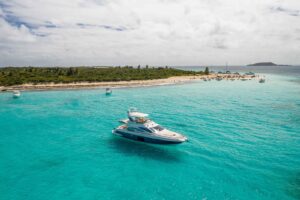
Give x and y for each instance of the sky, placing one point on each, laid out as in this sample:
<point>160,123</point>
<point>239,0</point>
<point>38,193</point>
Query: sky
<point>148,32</point>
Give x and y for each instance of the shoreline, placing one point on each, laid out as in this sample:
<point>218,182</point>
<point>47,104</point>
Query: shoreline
<point>123,84</point>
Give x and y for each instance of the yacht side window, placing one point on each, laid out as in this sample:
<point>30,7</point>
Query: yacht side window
<point>131,129</point>
<point>145,129</point>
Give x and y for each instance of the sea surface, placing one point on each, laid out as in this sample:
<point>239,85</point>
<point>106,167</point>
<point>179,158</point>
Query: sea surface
<point>244,142</point>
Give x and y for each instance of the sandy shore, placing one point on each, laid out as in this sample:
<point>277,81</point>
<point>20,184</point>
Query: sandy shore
<point>119,84</point>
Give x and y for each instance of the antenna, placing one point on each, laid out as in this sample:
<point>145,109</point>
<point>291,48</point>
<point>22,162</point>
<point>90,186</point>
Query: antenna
<point>226,66</point>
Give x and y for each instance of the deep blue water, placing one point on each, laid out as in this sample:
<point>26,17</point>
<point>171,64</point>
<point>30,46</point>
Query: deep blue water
<point>244,142</point>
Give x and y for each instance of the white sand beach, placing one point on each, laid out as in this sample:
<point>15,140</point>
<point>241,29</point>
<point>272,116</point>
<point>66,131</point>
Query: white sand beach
<point>119,84</point>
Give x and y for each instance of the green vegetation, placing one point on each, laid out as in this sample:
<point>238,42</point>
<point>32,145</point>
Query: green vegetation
<point>20,75</point>
<point>206,71</point>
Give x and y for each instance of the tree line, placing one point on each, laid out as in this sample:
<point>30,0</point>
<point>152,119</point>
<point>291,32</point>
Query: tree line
<point>20,75</point>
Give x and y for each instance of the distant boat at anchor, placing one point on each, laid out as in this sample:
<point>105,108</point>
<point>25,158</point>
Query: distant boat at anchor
<point>262,80</point>
<point>108,91</point>
<point>16,94</point>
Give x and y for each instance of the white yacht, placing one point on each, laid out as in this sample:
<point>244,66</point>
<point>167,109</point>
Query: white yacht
<point>262,80</point>
<point>16,93</point>
<point>219,78</point>
<point>139,127</point>
<point>108,91</point>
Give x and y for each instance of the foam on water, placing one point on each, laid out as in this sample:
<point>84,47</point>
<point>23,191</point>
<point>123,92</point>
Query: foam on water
<point>244,143</point>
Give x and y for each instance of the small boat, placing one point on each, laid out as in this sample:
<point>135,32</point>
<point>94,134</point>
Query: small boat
<point>16,93</point>
<point>140,128</point>
<point>218,78</point>
<point>108,91</point>
<point>262,80</point>
<point>204,79</point>
<point>250,73</point>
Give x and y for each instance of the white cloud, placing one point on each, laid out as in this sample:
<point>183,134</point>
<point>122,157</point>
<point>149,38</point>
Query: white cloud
<point>155,32</point>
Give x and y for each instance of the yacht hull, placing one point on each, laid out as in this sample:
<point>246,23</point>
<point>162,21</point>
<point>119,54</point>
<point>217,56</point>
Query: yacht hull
<point>146,139</point>
<point>16,96</point>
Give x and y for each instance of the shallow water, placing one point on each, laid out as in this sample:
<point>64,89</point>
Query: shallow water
<point>244,143</point>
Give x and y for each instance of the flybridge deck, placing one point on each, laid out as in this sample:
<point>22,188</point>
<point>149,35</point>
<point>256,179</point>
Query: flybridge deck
<point>137,117</point>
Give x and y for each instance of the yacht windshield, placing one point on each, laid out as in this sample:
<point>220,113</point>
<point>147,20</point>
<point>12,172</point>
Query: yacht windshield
<point>158,128</point>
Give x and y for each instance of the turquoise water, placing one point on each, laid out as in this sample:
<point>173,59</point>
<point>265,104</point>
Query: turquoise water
<point>244,143</point>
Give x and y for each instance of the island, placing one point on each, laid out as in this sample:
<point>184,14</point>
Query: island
<point>36,75</point>
<point>266,64</point>
<point>46,78</point>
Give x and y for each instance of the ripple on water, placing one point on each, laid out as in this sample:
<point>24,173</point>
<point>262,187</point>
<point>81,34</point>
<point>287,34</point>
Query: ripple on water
<point>293,186</point>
